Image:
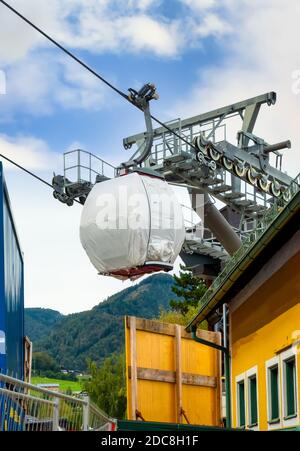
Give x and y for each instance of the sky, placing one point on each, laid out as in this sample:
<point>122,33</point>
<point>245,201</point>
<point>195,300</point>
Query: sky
<point>201,54</point>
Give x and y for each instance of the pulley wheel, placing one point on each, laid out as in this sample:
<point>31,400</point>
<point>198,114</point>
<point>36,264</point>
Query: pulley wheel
<point>213,165</point>
<point>200,157</point>
<point>251,177</point>
<point>287,195</point>
<point>213,154</point>
<point>196,142</point>
<point>275,189</point>
<point>239,169</point>
<point>263,185</point>
<point>228,164</point>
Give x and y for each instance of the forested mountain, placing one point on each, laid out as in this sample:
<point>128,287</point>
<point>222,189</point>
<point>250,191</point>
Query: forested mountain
<point>97,333</point>
<point>39,321</point>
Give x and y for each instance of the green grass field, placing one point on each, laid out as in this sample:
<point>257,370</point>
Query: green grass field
<point>63,385</point>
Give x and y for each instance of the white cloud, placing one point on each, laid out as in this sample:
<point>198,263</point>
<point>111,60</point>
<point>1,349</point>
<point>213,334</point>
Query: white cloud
<point>39,80</point>
<point>144,33</point>
<point>142,5</point>
<point>105,26</point>
<point>40,83</point>
<point>30,152</point>
<point>262,54</point>
<point>212,25</point>
<point>18,37</point>
<point>129,31</point>
<point>200,5</point>
<point>77,88</point>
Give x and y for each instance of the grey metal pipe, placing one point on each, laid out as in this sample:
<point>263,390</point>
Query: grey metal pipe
<point>223,231</point>
<point>278,146</point>
<point>216,222</point>
<point>149,137</point>
<point>142,100</point>
<point>227,368</point>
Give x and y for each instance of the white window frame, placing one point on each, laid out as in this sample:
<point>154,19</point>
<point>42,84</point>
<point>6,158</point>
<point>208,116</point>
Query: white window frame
<point>238,379</point>
<point>249,374</point>
<point>284,356</point>
<point>275,361</point>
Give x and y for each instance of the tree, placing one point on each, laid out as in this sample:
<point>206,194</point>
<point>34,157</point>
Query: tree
<point>106,387</point>
<point>173,317</point>
<point>42,362</point>
<point>189,290</point>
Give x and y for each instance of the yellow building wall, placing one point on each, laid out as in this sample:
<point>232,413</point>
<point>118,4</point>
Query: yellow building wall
<point>263,326</point>
<point>157,399</point>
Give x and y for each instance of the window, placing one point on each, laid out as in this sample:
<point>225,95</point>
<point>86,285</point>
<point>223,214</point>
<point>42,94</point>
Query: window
<point>273,385</point>
<point>252,400</point>
<point>273,392</point>
<point>241,399</point>
<point>241,404</point>
<point>290,398</point>
<point>289,389</point>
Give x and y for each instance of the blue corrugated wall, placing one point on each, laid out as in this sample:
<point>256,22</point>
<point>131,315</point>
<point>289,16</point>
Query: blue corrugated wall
<point>11,290</point>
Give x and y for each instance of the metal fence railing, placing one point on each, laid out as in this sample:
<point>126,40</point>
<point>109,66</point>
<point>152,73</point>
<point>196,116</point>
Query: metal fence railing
<point>80,165</point>
<point>26,407</point>
<point>250,240</point>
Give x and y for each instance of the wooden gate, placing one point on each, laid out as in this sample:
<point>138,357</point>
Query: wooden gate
<point>170,377</point>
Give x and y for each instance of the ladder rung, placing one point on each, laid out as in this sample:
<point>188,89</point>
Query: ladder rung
<point>212,181</point>
<point>221,188</point>
<point>234,195</point>
<point>243,203</point>
<point>256,207</point>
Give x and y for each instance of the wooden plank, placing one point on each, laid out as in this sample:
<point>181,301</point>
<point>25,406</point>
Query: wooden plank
<point>157,327</point>
<point>206,335</point>
<point>151,374</point>
<point>196,379</point>
<point>27,360</point>
<point>178,390</point>
<point>133,361</point>
<point>151,387</point>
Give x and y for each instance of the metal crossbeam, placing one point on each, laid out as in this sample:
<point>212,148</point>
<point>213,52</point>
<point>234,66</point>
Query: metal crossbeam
<point>235,108</point>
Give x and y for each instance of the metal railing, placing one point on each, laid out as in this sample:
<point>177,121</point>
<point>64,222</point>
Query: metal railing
<point>167,144</point>
<point>250,239</point>
<point>27,407</point>
<point>80,165</point>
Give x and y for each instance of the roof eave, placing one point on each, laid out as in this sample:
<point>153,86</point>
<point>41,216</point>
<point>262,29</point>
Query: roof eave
<point>216,297</point>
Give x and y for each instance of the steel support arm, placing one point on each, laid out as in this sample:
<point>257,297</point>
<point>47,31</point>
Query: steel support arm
<point>239,107</point>
<point>216,222</point>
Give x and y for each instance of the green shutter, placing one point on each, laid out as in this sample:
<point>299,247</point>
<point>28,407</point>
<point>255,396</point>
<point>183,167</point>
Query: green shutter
<point>274,393</point>
<point>241,399</point>
<point>253,400</point>
<point>290,387</point>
